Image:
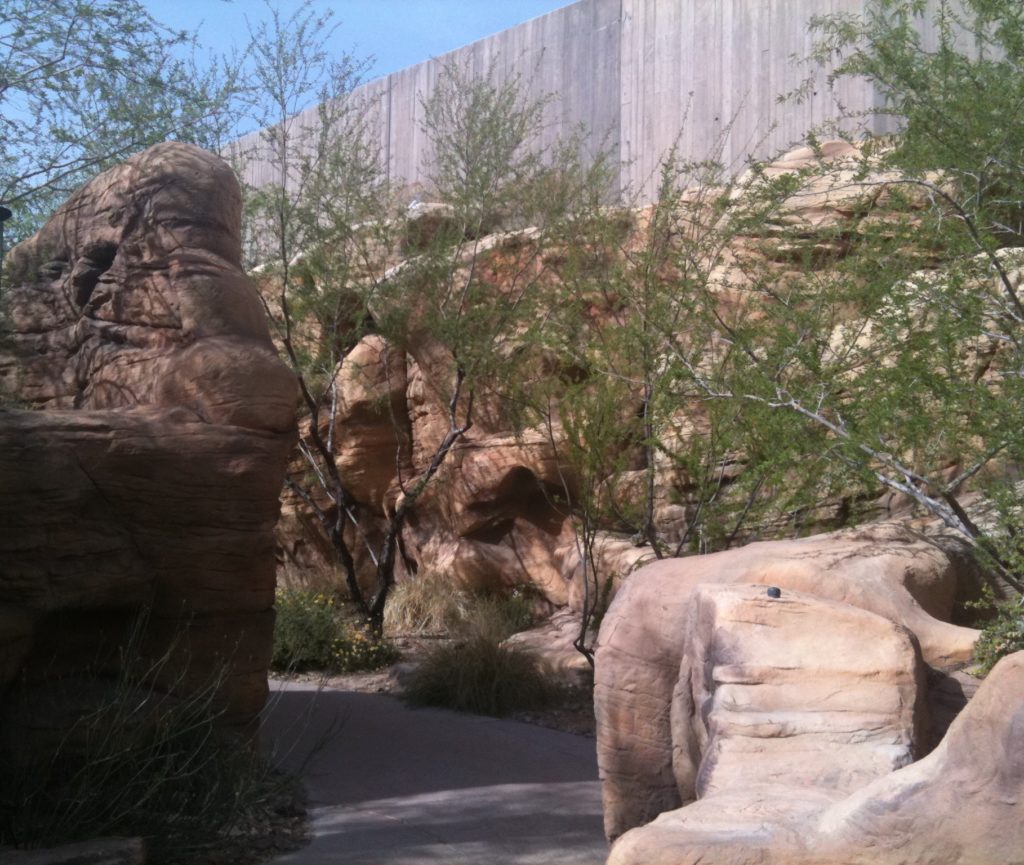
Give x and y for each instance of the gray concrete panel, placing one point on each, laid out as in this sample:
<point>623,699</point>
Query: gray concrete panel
<point>640,75</point>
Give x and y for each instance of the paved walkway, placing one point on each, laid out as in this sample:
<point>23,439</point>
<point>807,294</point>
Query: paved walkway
<point>389,785</point>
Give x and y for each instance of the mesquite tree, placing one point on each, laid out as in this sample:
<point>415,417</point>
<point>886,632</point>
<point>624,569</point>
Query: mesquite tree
<point>339,261</point>
<point>86,83</point>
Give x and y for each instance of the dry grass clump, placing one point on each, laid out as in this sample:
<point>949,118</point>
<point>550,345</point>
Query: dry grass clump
<point>432,604</point>
<point>428,605</point>
<point>480,675</point>
<point>475,672</point>
<point>133,761</point>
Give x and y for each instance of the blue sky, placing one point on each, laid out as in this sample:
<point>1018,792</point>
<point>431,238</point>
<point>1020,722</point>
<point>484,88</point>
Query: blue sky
<point>397,33</point>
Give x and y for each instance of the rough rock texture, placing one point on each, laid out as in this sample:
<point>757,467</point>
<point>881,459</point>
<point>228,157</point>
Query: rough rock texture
<point>491,516</point>
<point>147,472</point>
<point>963,803</point>
<point>553,642</point>
<point>887,570</point>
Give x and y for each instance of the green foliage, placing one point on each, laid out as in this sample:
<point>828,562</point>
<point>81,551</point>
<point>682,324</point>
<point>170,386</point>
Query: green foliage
<point>938,381</point>
<point>498,615</point>
<point>1002,633</point>
<point>85,84</point>
<point>957,102</point>
<point>474,673</point>
<point>311,633</point>
<point>481,137</point>
<point>460,306</point>
<point>479,675</point>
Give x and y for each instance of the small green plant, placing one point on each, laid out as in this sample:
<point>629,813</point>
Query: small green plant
<point>1002,634</point>
<point>357,649</point>
<point>497,616</point>
<point>480,675</point>
<point>311,633</point>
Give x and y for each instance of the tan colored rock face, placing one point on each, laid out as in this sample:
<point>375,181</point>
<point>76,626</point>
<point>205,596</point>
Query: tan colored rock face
<point>372,429</point>
<point>963,803</point>
<point>490,520</point>
<point>886,570</point>
<point>149,473</point>
<point>469,524</point>
<point>782,707</point>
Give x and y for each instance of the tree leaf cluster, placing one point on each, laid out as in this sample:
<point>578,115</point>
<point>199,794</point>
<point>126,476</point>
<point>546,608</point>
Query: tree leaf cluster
<point>85,84</point>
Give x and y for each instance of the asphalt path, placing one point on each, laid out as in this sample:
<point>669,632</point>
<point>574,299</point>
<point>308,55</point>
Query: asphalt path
<point>390,785</point>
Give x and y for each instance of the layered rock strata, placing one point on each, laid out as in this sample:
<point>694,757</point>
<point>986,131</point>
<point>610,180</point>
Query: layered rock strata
<point>887,570</point>
<point>963,803</point>
<point>782,707</point>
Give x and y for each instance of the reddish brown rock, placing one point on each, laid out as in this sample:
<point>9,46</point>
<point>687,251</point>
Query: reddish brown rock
<point>147,472</point>
<point>372,432</point>
<point>490,518</point>
<point>887,570</point>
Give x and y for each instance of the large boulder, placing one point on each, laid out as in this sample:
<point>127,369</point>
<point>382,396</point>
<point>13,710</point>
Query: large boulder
<point>782,707</point>
<point>143,439</point>
<point>963,803</point>
<point>888,570</point>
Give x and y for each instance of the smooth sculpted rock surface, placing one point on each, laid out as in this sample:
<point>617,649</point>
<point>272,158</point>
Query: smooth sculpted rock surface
<point>782,707</point>
<point>651,633</point>
<point>963,804</point>
<point>145,425</point>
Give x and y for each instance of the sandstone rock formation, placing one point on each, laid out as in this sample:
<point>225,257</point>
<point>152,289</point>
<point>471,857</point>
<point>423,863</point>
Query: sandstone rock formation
<point>963,803</point>
<point>491,516</point>
<point>782,707</point>
<point>143,439</point>
<point>888,570</point>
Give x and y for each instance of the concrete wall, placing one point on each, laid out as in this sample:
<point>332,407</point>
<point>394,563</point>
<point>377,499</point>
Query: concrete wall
<point>641,75</point>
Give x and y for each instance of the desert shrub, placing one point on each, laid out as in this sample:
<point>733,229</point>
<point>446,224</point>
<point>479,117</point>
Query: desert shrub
<point>497,616</point>
<point>357,649</point>
<point>311,633</point>
<point>1001,635</point>
<point>134,762</point>
<point>480,675</point>
<point>433,604</point>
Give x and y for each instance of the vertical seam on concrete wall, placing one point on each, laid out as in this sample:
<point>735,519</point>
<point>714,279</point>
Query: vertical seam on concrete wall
<point>676,62</point>
<point>618,113</point>
<point>621,144</point>
<point>387,135</point>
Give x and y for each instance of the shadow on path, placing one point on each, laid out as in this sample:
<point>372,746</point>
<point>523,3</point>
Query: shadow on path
<point>390,785</point>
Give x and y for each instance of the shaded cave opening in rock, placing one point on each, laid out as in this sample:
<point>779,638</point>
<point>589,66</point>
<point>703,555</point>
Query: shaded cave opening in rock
<point>96,261</point>
<point>520,495</point>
